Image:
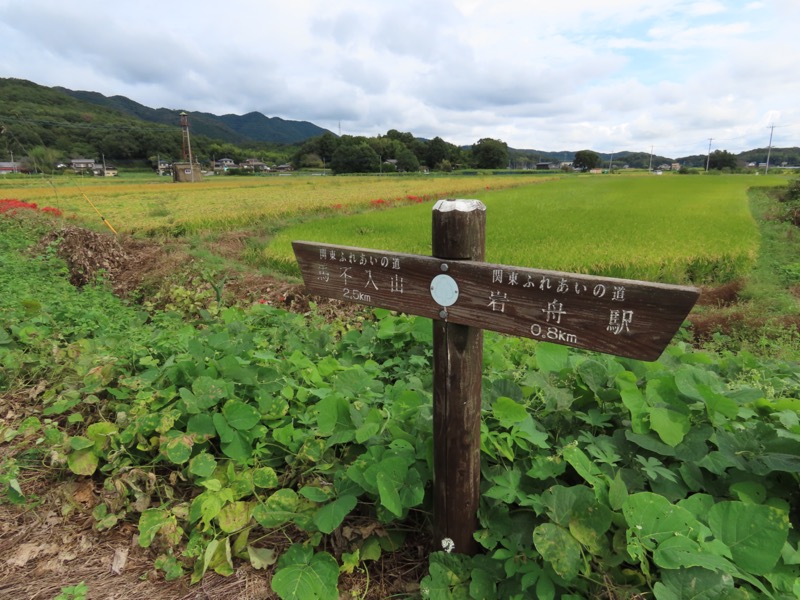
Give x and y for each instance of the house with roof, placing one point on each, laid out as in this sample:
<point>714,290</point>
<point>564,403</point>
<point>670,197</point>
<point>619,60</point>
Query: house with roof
<point>253,164</point>
<point>223,164</point>
<point>11,167</point>
<point>82,164</point>
<point>105,171</point>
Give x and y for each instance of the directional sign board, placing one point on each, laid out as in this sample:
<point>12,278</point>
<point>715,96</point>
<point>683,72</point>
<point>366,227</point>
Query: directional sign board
<point>618,316</point>
<point>464,297</point>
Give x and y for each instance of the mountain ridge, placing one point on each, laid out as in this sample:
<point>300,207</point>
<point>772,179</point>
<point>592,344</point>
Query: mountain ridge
<point>236,129</point>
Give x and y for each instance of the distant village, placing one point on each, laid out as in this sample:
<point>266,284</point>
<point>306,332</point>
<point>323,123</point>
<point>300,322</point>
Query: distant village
<point>99,168</point>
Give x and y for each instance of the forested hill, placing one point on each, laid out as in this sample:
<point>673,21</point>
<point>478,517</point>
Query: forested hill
<point>90,124</point>
<point>235,129</point>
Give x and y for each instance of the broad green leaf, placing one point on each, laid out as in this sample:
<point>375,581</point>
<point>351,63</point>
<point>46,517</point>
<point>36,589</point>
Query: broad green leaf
<point>388,490</point>
<point>271,406</point>
<point>751,492</point>
<point>617,492</point>
<point>224,430</point>
<point>584,466</point>
<point>482,584</point>
<point>207,392</point>
<point>234,516</point>
<point>79,442</point>
<point>83,462</point>
<point>551,358</point>
<point>559,548</point>
<point>205,507</point>
<point>589,527</point>
<point>680,552</point>
<point>448,579</point>
<point>239,447</point>
<point>261,558</point>
<point>315,494</point>
<point>331,515</point>
<point>594,374</point>
<point>693,584</point>
<point>717,403</point>
<point>218,557</point>
<point>355,382</point>
<point>366,431</point>
<point>505,484</point>
<point>14,492</point>
<point>265,478</point>
<point>333,414</point>
<point>564,503</point>
<point>508,412</point>
<point>150,522</point>
<point>634,401</point>
<point>653,518</point>
<point>279,508</point>
<point>201,426</point>
<point>302,574</point>
<point>527,430</point>
<point>371,550</point>
<point>100,432</point>
<point>754,533</point>
<point>176,446</point>
<point>203,465</point>
<point>671,425</point>
<point>240,416</point>
<point>170,565</point>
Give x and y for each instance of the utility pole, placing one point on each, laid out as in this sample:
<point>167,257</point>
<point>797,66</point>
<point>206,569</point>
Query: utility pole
<point>769,148</point>
<point>708,157</point>
<point>650,168</point>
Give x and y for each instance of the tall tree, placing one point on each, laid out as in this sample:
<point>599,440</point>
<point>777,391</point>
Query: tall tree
<point>586,159</point>
<point>721,159</point>
<point>437,151</point>
<point>488,153</point>
<point>354,157</point>
<point>407,160</point>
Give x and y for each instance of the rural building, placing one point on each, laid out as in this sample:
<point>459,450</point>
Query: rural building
<point>185,172</point>
<point>105,171</point>
<point>81,164</point>
<point>11,167</point>
<point>253,164</point>
<point>225,163</point>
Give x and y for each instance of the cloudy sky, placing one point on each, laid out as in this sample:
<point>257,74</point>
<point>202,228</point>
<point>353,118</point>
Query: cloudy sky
<point>553,75</point>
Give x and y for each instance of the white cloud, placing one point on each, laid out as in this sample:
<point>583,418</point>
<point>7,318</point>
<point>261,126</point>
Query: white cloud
<point>611,75</point>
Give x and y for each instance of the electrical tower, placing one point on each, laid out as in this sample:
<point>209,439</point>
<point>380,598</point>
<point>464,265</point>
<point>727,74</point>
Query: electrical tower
<point>186,170</point>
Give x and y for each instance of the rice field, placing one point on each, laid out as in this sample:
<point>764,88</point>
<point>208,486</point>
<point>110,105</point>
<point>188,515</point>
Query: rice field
<point>225,203</point>
<point>677,229</point>
<point>673,229</point>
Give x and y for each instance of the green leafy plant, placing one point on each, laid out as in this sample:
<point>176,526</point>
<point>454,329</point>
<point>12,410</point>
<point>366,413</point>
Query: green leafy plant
<point>73,592</point>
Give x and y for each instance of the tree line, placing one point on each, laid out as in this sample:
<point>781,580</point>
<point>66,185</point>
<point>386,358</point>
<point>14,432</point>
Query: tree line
<point>397,151</point>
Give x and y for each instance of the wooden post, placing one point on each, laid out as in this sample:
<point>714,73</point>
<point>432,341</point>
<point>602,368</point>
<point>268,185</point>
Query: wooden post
<point>463,295</point>
<point>459,231</point>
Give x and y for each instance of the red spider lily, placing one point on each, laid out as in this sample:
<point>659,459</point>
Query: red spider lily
<point>11,204</point>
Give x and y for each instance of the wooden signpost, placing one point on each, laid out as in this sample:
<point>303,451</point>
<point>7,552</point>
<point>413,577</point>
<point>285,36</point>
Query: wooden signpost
<point>464,295</point>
